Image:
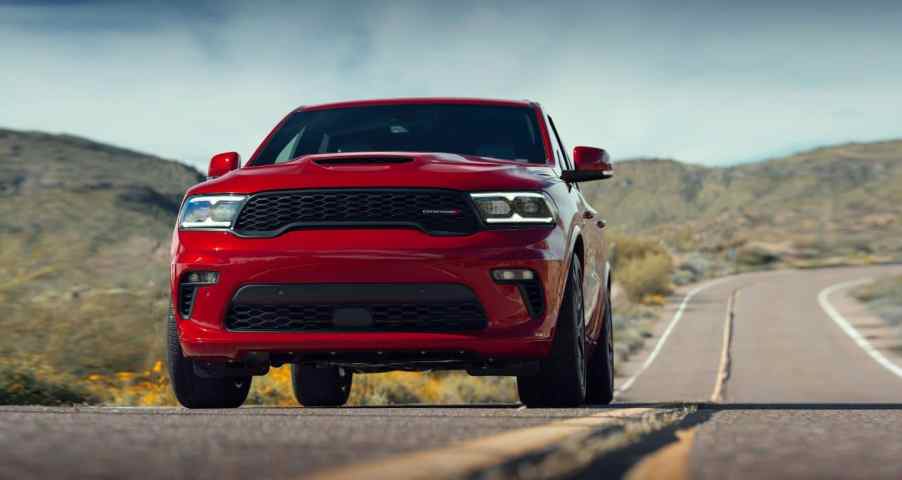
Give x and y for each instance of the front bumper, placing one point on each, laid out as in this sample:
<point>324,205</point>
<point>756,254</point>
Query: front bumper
<point>389,256</point>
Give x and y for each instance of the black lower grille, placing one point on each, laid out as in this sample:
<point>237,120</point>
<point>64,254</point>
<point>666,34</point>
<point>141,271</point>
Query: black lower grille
<point>186,299</point>
<point>439,212</point>
<point>383,317</point>
<point>533,297</point>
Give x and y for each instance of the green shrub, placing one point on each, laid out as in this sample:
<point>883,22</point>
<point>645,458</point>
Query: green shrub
<point>22,384</point>
<point>646,276</point>
<point>642,266</point>
<point>628,249</point>
<point>756,257</point>
<point>444,388</point>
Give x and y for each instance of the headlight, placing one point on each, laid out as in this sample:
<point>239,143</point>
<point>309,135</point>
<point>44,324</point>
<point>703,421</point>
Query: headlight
<point>514,207</point>
<point>210,211</point>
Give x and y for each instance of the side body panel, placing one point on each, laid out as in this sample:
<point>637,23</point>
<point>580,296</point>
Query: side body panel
<point>583,229</point>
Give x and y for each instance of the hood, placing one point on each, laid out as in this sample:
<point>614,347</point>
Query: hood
<point>384,170</point>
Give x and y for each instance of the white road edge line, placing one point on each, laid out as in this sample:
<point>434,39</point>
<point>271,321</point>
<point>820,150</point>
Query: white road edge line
<point>849,329</point>
<point>676,318</point>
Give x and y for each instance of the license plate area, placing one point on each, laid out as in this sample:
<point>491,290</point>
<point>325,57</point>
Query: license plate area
<point>352,318</point>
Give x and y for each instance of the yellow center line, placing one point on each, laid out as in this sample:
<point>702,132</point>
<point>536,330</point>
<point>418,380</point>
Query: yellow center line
<point>669,463</point>
<point>469,456</point>
<point>723,370</point>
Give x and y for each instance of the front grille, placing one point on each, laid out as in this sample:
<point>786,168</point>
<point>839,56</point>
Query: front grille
<point>385,317</point>
<point>438,212</point>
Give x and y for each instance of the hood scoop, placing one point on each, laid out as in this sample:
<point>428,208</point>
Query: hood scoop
<point>362,160</point>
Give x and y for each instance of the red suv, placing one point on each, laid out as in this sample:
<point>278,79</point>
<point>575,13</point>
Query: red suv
<point>411,234</point>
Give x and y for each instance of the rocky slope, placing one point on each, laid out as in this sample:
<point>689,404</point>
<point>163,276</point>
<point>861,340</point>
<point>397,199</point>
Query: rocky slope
<point>84,232</point>
<point>835,201</point>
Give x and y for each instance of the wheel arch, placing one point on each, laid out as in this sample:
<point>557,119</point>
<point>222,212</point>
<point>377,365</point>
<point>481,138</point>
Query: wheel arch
<point>578,250</point>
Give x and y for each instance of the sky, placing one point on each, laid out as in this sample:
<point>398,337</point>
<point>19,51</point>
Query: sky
<point>709,82</point>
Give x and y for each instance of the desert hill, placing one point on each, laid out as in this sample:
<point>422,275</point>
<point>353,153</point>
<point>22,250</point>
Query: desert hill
<point>84,233</point>
<point>833,201</point>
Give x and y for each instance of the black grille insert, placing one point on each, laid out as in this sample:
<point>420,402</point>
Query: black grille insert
<point>438,212</point>
<point>385,317</point>
<point>533,297</point>
<point>186,299</point>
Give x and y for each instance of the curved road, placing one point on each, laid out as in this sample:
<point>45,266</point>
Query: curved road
<point>800,398</point>
<point>785,347</point>
<point>792,395</point>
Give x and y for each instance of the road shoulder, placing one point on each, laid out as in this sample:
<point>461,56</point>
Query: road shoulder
<point>865,327</point>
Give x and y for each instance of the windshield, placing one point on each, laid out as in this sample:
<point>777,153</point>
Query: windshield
<point>509,133</point>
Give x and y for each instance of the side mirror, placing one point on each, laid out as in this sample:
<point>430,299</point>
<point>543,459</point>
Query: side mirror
<point>589,163</point>
<point>223,163</point>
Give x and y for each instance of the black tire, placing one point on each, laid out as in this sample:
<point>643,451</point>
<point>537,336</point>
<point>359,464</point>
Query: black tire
<point>601,366</point>
<point>561,381</point>
<point>321,386</point>
<point>193,391</point>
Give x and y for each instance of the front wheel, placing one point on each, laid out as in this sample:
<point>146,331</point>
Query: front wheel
<point>601,367</point>
<point>194,391</point>
<point>561,381</point>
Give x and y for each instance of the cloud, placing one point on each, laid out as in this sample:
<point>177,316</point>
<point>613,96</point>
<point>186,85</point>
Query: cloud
<point>696,82</point>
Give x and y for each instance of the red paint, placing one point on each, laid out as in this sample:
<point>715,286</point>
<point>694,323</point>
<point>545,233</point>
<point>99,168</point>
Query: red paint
<point>223,163</point>
<point>591,159</point>
<point>396,255</point>
<point>415,101</point>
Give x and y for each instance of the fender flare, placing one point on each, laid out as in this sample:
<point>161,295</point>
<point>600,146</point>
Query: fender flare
<point>575,235</point>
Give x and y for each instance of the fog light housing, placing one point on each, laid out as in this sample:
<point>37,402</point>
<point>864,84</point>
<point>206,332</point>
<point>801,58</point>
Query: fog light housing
<point>513,275</point>
<point>201,278</point>
<point>527,282</point>
<point>188,287</point>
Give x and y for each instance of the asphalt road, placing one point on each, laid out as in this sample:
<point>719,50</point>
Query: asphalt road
<point>245,443</point>
<point>801,398</point>
<point>793,396</point>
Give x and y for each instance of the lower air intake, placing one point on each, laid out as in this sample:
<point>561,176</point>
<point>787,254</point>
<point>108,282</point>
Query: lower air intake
<point>380,317</point>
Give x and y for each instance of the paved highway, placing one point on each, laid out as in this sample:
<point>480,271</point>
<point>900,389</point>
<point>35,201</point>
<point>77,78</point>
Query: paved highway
<point>791,379</point>
<point>798,396</point>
